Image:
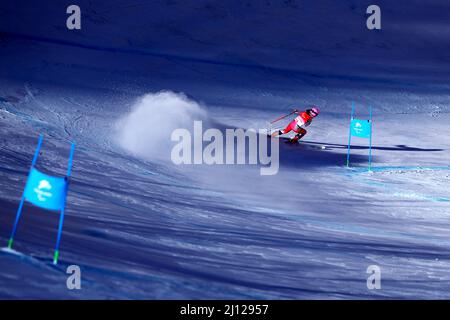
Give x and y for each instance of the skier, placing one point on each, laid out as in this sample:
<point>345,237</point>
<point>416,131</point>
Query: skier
<point>298,125</point>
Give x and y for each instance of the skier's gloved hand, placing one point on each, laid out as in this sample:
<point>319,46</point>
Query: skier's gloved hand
<point>295,110</point>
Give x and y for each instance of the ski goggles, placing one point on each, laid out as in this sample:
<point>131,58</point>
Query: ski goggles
<point>312,113</point>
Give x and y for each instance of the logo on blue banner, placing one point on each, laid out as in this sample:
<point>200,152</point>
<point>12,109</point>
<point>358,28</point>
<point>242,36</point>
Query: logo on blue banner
<point>46,191</point>
<point>360,128</point>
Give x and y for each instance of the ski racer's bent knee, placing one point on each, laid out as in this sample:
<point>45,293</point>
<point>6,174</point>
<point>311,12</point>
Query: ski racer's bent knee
<point>301,132</point>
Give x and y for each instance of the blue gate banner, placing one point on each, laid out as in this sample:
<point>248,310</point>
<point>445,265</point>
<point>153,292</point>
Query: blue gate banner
<point>46,191</point>
<point>360,128</point>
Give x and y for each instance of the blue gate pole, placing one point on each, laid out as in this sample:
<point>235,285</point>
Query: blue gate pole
<point>22,200</point>
<point>58,240</point>
<point>350,133</point>
<point>370,139</point>
<point>61,218</point>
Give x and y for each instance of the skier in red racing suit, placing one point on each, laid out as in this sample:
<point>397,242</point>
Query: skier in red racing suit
<point>298,125</point>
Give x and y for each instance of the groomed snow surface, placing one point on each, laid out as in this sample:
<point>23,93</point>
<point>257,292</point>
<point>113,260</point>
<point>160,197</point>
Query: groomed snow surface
<point>141,227</point>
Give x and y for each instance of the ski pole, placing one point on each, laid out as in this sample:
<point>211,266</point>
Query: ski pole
<point>282,117</point>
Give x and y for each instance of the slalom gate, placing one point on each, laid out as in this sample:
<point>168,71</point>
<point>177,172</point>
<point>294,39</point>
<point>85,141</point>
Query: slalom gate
<point>47,192</point>
<point>360,128</point>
